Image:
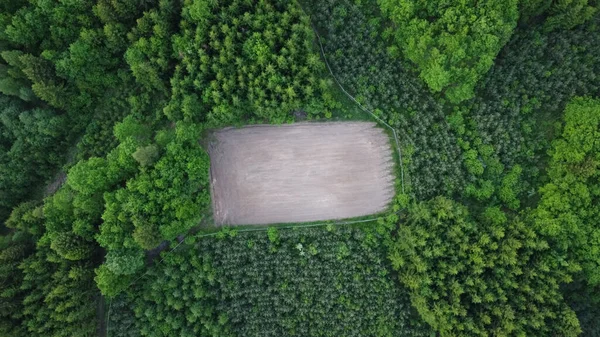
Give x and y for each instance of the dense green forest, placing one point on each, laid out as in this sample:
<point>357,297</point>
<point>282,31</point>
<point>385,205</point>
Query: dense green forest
<point>105,207</point>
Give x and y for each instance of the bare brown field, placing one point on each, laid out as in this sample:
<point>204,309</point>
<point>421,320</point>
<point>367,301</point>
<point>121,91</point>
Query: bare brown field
<point>300,172</point>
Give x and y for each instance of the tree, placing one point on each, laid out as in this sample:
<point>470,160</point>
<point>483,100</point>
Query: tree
<point>125,261</point>
<point>14,248</point>
<point>510,189</point>
<point>480,277</point>
<point>567,211</point>
<point>109,283</point>
<point>90,176</point>
<point>31,142</point>
<point>70,246</point>
<point>558,14</point>
<point>453,44</point>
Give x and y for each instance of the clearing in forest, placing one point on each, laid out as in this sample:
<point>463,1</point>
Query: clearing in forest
<point>300,172</point>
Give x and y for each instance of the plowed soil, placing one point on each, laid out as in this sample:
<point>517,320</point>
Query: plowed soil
<point>300,172</point>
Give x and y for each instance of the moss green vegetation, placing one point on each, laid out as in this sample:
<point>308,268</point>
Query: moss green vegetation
<point>497,107</point>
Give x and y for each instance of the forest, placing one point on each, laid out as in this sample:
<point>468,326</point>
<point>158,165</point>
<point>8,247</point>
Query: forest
<point>106,226</point>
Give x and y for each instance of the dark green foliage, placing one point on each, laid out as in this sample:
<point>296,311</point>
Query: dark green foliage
<point>67,292</point>
<point>70,221</point>
<point>585,301</point>
<point>27,218</point>
<point>37,26</point>
<point>13,249</point>
<point>175,299</point>
<point>121,92</point>
<point>558,14</point>
<point>308,282</point>
<point>31,145</point>
<point>453,43</point>
<point>358,57</point>
<point>524,94</point>
<point>98,138</point>
<point>42,294</point>
<point>73,56</point>
<point>279,288</point>
<point>121,318</point>
<point>244,60</point>
<point>480,277</point>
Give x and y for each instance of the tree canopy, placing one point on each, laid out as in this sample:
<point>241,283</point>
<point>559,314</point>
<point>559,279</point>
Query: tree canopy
<point>453,43</point>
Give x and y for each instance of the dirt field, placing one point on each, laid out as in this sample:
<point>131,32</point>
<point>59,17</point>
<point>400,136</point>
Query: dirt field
<point>300,172</point>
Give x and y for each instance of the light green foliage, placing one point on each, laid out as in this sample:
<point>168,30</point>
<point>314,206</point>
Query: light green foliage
<point>109,283</point>
<point>89,176</point>
<point>273,234</point>
<point>130,127</point>
<point>480,277</point>
<point>568,210</point>
<point>482,190</point>
<point>73,213</point>
<point>510,188</point>
<point>453,43</point>
<point>71,247</point>
<point>125,261</point>
<point>146,155</point>
<point>158,202</point>
<point>473,163</point>
<point>171,195</point>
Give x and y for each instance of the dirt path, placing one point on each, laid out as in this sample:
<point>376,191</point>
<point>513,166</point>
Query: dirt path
<point>300,172</point>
